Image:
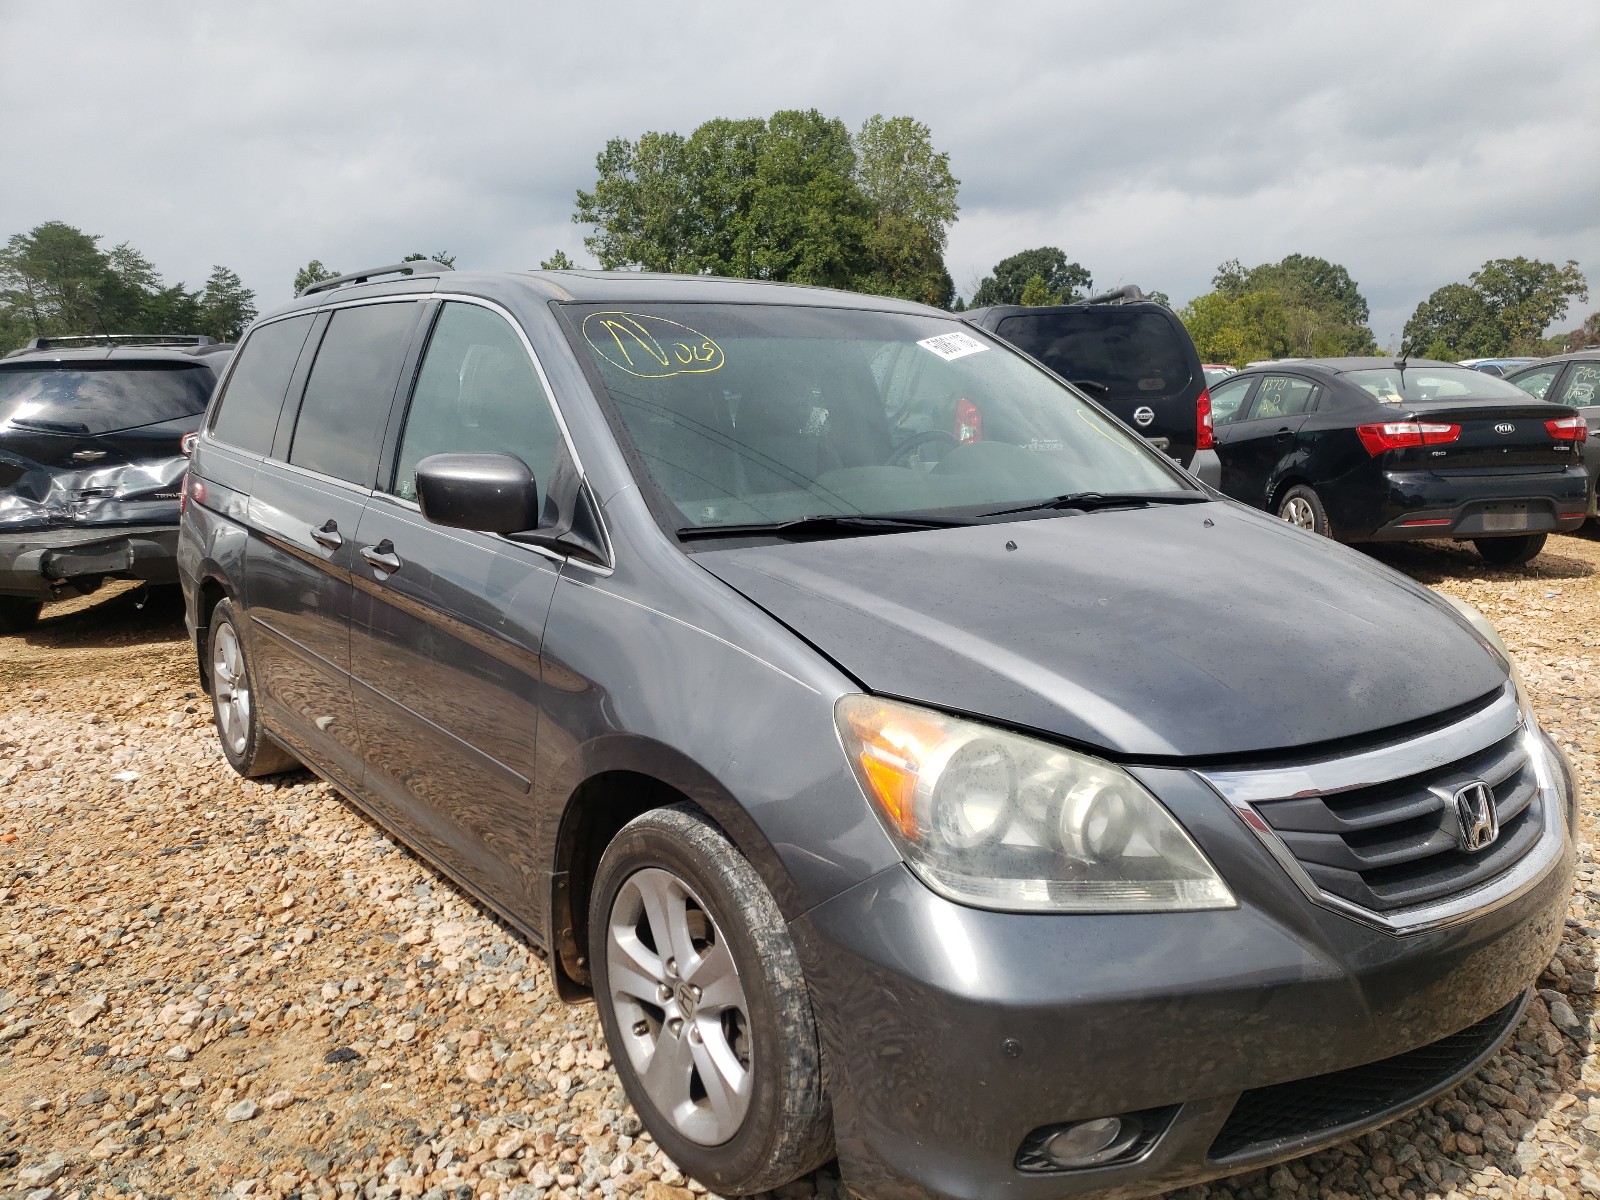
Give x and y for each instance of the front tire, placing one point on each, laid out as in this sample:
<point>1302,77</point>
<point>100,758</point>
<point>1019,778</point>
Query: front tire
<point>1302,508</point>
<point>244,741</point>
<point>18,614</point>
<point>705,1007</point>
<point>1511,551</point>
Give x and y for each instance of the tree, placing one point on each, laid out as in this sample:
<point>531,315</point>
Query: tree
<point>558,262</point>
<point>1325,310</point>
<point>447,259</point>
<point>1239,327</point>
<point>312,272</point>
<point>1504,309</point>
<point>1064,282</point>
<point>793,197</point>
<point>226,306</point>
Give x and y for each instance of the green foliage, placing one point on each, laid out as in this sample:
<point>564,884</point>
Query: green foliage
<point>55,280</point>
<point>1232,326</point>
<point>1326,314</point>
<point>312,272</point>
<point>1504,309</point>
<point>226,306</point>
<point>1035,292</point>
<point>1064,282</point>
<point>558,262</point>
<point>792,198</point>
<point>447,259</point>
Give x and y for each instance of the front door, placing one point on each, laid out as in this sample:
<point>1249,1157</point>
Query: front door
<point>1259,446</point>
<point>447,622</point>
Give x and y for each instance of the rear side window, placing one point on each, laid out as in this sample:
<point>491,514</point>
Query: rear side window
<point>80,398</point>
<point>1118,353</point>
<point>347,397</point>
<point>1581,388</point>
<point>247,411</point>
<point>1283,396</point>
<point>477,391</point>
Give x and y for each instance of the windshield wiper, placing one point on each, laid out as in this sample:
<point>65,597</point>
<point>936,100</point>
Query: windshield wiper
<point>49,426</point>
<point>1093,385</point>
<point>1089,501</point>
<point>805,526</point>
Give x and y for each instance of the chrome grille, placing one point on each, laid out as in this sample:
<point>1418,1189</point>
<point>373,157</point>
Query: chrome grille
<point>1378,832</point>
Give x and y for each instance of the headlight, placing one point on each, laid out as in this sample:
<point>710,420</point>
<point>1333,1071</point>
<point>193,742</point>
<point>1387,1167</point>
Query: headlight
<point>999,821</point>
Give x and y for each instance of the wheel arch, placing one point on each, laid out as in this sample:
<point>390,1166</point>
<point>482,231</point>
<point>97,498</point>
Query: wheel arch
<point>620,777</point>
<point>210,589</point>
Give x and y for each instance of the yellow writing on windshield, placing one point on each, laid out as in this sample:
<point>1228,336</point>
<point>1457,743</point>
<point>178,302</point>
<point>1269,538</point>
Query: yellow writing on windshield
<point>650,347</point>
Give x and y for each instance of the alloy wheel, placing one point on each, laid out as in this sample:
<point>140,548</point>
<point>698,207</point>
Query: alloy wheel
<point>230,690</point>
<point>679,1005</point>
<point>1297,511</point>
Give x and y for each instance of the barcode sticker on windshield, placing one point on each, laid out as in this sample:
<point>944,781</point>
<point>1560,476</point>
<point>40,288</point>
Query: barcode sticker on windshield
<point>950,346</point>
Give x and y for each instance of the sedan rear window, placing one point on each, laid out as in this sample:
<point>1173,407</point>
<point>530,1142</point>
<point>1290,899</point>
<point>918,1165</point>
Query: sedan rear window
<point>1120,354</point>
<point>79,398</point>
<point>1414,385</point>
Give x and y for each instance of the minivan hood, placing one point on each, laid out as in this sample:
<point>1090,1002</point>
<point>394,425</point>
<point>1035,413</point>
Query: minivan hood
<point>1202,630</point>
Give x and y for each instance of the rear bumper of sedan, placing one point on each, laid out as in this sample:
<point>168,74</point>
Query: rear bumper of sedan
<point>1421,504</point>
<point>956,1037</point>
<point>38,563</point>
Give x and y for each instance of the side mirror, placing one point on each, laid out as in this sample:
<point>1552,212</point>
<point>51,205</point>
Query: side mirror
<point>492,493</point>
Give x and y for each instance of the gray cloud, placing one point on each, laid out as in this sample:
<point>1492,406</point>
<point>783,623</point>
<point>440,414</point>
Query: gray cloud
<point>1150,141</point>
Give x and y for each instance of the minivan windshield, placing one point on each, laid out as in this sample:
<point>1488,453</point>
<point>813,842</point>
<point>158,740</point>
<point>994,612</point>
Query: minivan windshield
<point>1415,384</point>
<point>100,399</point>
<point>764,414</point>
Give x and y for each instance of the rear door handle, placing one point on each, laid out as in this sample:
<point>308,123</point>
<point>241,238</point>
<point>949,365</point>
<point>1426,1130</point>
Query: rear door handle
<point>328,535</point>
<point>1284,435</point>
<point>382,557</point>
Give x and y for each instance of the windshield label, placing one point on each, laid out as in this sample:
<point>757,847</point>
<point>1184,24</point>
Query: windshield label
<point>951,346</point>
<point>650,347</point>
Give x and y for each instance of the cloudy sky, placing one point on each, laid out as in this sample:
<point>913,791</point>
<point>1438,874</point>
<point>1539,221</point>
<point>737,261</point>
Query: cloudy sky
<point>1410,141</point>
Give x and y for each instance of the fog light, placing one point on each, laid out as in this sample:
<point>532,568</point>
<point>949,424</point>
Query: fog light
<point>1097,1142</point>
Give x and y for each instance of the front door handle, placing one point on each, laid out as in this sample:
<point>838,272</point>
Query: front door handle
<point>382,557</point>
<point>327,534</point>
<point>1283,435</point>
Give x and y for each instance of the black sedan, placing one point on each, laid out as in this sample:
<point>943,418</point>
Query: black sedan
<point>1376,449</point>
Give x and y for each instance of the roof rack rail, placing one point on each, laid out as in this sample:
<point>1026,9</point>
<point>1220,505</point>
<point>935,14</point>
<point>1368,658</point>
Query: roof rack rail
<point>417,266</point>
<point>1127,294</point>
<point>147,339</point>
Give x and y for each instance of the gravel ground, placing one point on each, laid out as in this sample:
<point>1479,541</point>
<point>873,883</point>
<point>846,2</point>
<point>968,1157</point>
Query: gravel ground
<point>217,988</point>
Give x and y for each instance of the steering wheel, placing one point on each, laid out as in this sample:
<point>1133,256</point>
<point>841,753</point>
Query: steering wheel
<point>904,449</point>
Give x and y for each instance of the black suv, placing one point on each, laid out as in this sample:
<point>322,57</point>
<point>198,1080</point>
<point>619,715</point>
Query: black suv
<point>878,785</point>
<point>1131,354</point>
<point>92,461</point>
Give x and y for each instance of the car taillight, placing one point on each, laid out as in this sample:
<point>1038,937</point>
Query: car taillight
<point>1397,435</point>
<point>183,495</point>
<point>1204,436</point>
<point>1568,429</point>
<point>187,442</point>
<point>969,422</point>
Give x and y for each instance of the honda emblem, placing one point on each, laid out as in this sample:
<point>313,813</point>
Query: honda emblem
<point>1477,821</point>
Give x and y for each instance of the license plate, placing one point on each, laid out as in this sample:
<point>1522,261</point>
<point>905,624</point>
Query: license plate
<point>1499,522</point>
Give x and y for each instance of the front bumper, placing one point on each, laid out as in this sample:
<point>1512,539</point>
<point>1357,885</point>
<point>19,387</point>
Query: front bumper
<point>1424,505</point>
<point>39,563</point>
<point>951,1033</point>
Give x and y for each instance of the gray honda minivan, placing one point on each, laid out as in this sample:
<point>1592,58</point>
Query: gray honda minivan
<point>915,767</point>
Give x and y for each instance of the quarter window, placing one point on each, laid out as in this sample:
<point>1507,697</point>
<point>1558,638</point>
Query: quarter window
<point>1581,387</point>
<point>351,387</point>
<point>477,392</point>
<point>247,411</point>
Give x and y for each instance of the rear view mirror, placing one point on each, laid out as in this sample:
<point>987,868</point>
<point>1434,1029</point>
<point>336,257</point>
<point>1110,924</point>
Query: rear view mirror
<point>492,493</point>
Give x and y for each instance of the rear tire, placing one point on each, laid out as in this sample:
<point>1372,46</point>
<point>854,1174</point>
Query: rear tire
<point>1511,551</point>
<point>705,1007</point>
<point>18,614</point>
<point>244,740</point>
<point>1302,508</point>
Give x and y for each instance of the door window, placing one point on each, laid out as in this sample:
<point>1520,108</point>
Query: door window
<point>1537,382</point>
<point>1581,387</point>
<point>477,391</point>
<point>247,411</point>
<point>1227,399</point>
<point>1283,396</point>
<point>347,398</point>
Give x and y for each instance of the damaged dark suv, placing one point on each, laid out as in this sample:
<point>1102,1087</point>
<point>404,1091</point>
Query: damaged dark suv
<point>92,461</point>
